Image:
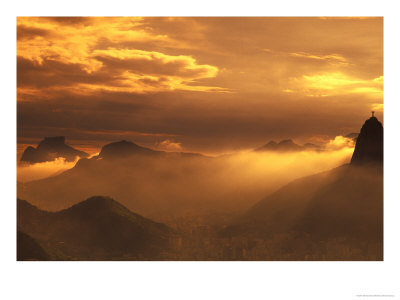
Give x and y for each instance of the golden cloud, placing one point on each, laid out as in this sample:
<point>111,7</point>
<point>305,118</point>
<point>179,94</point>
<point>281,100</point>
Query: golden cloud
<point>97,47</point>
<point>336,83</point>
<point>340,142</point>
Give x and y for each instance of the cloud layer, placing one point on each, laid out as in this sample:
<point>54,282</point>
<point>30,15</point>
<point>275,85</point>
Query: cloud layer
<point>208,84</point>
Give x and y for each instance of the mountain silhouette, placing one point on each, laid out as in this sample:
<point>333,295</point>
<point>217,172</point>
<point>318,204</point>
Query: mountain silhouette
<point>123,149</point>
<point>343,206</point>
<point>126,149</point>
<point>140,178</point>
<point>49,149</point>
<point>97,228</point>
<point>369,146</point>
<point>287,146</point>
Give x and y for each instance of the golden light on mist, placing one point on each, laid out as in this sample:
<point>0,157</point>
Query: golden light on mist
<point>28,172</point>
<point>341,142</point>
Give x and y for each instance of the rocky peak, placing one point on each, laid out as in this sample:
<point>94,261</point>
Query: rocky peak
<point>49,149</point>
<point>369,146</point>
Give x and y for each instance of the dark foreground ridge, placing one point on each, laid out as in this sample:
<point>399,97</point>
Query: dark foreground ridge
<point>29,249</point>
<point>369,146</point>
<point>49,149</point>
<point>98,228</point>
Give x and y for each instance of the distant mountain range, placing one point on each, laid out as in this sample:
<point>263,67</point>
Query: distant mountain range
<point>141,178</point>
<point>288,146</point>
<point>344,205</point>
<point>150,182</point>
<point>49,149</point>
<point>98,228</point>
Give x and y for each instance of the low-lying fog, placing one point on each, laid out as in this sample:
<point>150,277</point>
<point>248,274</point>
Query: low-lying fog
<point>165,186</point>
<point>28,172</point>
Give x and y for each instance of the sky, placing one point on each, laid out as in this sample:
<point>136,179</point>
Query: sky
<point>209,85</point>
